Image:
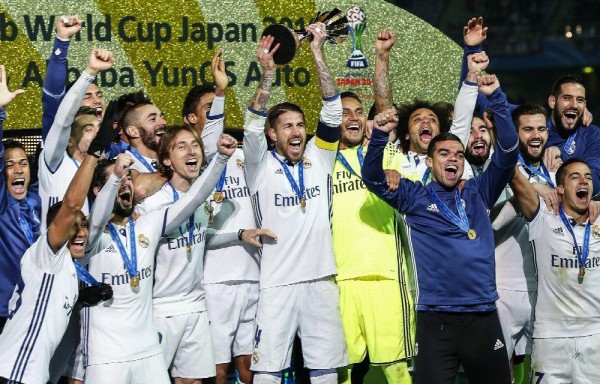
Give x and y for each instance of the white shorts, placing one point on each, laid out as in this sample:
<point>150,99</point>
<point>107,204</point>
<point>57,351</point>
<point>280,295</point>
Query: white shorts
<point>566,360</point>
<point>78,372</point>
<point>515,310</point>
<point>231,313</point>
<point>148,370</point>
<point>186,344</point>
<point>311,310</point>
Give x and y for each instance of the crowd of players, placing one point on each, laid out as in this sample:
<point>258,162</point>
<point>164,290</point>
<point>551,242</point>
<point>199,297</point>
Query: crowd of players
<point>422,236</point>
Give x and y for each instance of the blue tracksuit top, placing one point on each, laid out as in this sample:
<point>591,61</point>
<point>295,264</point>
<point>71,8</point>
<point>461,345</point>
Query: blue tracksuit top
<point>13,242</point>
<point>452,271</point>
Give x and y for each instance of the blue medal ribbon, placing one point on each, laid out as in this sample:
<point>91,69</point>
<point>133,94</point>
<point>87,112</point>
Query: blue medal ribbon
<point>569,142</point>
<point>361,160</point>
<point>75,162</point>
<point>25,226</point>
<point>191,220</point>
<point>141,159</point>
<point>426,176</point>
<point>582,254</point>
<point>221,182</point>
<point>130,264</point>
<point>298,190</point>
<point>544,174</point>
<point>84,275</point>
<point>463,221</point>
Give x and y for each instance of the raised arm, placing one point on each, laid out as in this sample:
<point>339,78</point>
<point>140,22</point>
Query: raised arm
<point>6,97</point>
<point>55,81</point>
<point>326,80</point>
<point>58,137</point>
<point>525,196</point>
<point>467,97</point>
<point>215,119</point>
<point>255,142</point>
<point>382,86</point>
<point>105,201</point>
<point>177,213</point>
<point>147,184</point>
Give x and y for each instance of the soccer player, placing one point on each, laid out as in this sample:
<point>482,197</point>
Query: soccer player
<point>48,287</point>
<point>453,247</point>
<point>375,301</point>
<point>124,257</point>
<point>143,125</point>
<point>479,147</point>
<point>69,137</point>
<point>567,254</point>
<point>19,207</point>
<point>290,187</point>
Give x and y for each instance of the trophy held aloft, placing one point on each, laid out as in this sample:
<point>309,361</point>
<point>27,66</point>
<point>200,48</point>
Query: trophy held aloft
<point>289,40</point>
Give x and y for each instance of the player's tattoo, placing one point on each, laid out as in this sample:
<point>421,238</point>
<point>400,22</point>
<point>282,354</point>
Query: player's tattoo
<point>267,81</point>
<point>328,88</point>
<point>382,87</point>
<point>261,96</point>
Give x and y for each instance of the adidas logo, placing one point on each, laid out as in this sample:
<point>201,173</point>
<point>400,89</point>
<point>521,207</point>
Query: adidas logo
<point>558,231</point>
<point>433,208</point>
<point>498,345</point>
<point>279,171</point>
<point>111,249</point>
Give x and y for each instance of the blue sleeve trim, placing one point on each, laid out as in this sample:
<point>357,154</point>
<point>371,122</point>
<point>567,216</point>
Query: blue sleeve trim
<point>263,114</point>
<point>164,224</point>
<point>332,97</point>
<point>467,82</point>
<point>327,133</point>
<point>215,117</point>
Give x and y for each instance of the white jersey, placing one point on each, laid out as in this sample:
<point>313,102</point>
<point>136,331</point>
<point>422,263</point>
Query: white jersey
<point>142,164</point>
<point>304,247</point>
<point>178,276</point>
<point>237,262</point>
<point>121,329</point>
<point>39,313</point>
<point>515,268</point>
<point>53,185</point>
<point>565,307</point>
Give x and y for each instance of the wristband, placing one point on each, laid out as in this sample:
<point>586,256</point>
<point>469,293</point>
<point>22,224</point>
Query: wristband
<point>240,232</point>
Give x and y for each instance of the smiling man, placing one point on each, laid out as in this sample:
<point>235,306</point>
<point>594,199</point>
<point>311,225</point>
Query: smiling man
<point>479,146</point>
<point>567,250</point>
<point>453,248</point>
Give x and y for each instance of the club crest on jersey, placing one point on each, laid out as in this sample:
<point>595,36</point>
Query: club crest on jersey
<point>596,231</point>
<point>255,357</point>
<point>143,240</point>
<point>240,164</point>
<point>307,163</point>
<point>572,148</point>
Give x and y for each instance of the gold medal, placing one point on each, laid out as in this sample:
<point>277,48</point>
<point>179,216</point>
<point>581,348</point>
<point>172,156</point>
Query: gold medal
<point>218,197</point>
<point>581,272</point>
<point>134,281</point>
<point>472,235</point>
<point>303,203</point>
<point>189,248</point>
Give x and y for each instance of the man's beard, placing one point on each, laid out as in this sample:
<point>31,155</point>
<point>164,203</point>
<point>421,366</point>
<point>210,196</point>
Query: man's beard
<point>148,139</point>
<point>477,160</point>
<point>559,124</point>
<point>122,211</point>
<point>527,156</point>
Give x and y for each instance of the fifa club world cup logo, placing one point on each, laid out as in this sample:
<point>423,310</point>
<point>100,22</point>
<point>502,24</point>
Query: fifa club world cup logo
<point>357,23</point>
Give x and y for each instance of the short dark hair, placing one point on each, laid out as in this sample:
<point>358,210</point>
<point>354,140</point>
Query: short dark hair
<point>527,109</point>
<point>565,79</point>
<point>404,112</point>
<point>12,144</point>
<point>166,144</point>
<point>444,136</point>
<point>278,110</point>
<point>123,102</point>
<point>130,115</point>
<point>351,95</point>
<point>561,173</point>
<point>193,97</point>
<point>99,178</point>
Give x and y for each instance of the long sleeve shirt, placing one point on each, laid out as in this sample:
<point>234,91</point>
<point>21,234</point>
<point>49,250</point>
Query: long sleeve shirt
<point>55,82</point>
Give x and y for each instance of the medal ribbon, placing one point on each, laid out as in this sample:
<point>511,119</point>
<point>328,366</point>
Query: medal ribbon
<point>221,182</point>
<point>25,226</point>
<point>569,142</point>
<point>84,275</point>
<point>130,264</point>
<point>298,190</point>
<point>426,176</point>
<point>582,255</point>
<point>463,221</point>
<point>361,160</point>
<point>544,174</point>
<point>141,159</point>
<point>191,220</point>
